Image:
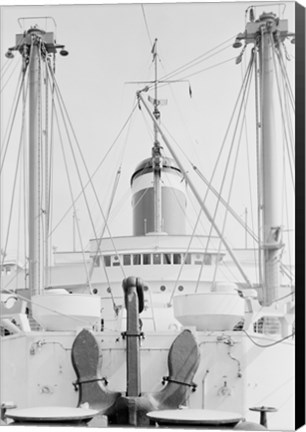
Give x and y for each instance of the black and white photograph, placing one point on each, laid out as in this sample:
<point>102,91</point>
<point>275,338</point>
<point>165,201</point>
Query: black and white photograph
<point>147,212</point>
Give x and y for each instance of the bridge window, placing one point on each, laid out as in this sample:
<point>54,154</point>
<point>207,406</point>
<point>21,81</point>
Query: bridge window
<point>207,259</point>
<point>177,258</point>
<point>96,261</point>
<point>136,259</point>
<point>107,260</point>
<point>167,258</point>
<point>146,259</point>
<point>156,259</point>
<point>198,259</point>
<point>126,259</point>
<point>187,258</point>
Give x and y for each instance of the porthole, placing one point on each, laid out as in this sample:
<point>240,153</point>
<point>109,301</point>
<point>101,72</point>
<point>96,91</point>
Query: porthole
<point>146,288</point>
<point>95,291</point>
<point>180,288</point>
<point>163,288</point>
<point>109,290</point>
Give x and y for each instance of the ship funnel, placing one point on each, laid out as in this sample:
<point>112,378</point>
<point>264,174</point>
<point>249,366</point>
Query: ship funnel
<point>173,198</point>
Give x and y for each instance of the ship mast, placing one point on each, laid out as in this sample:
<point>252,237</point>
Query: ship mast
<point>34,162</point>
<point>266,33</point>
<point>156,151</point>
<point>35,46</point>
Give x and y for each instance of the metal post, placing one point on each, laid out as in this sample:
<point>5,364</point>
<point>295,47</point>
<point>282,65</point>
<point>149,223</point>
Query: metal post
<point>271,164</point>
<point>34,168</point>
<point>157,160</point>
<point>132,337</point>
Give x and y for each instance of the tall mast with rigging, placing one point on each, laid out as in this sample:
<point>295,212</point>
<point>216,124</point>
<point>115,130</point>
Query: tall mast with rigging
<point>35,46</point>
<point>267,33</point>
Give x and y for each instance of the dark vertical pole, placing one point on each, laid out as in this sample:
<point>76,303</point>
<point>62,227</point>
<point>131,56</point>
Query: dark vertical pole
<point>132,336</point>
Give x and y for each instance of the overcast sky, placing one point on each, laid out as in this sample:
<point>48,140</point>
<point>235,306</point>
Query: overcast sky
<point>110,45</point>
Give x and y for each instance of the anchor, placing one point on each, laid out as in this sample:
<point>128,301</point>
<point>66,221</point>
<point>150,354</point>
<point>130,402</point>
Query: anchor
<point>131,409</point>
<point>87,363</point>
<point>183,361</point>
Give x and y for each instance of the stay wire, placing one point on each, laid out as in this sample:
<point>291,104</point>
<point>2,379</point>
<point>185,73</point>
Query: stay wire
<point>13,105</point>
<point>211,178</point>
<point>146,24</point>
<point>246,88</point>
<point>243,105</point>
<point>186,77</point>
<point>184,69</point>
<point>10,76</point>
<point>96,170</point>
<point>287,80</point>
<point>72,199</point>
<point>254,238</point>
<point>14,186</point>
<point>99,240</point>
<point>282,112</point>
<point>287,94</point>
<point>5,66</point>
<point>196,60</point>
<point>13,120</point>
<point>62,105</point>
<point>245,82</point>
<point>63,112</point>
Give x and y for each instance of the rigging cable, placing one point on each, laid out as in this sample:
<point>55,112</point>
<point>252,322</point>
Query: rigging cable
<point>186,77</point>
<point>62,106</point>
<point>146,24</point>
<point>72,199</point>
<point>4,68</point>
<point>14,187</point>
<point>197,59</point>
<point>212,176</point>
<point>287,112</point>
<point>63,110</point>
<point>96,170</point>
<point>99,240</point>
<point>287,81</point>
<point>254,238</point>
<point>287,214</point>
<point>245,84</point>
<point>19,151</point>
<point>226,205</point>
<point>114,190</point>
<point>13,119</point>
<point>13,105</point>
<point>188,247</point>
<point>247,90</point>
<point>10,76</point>
<point>282,112</point>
